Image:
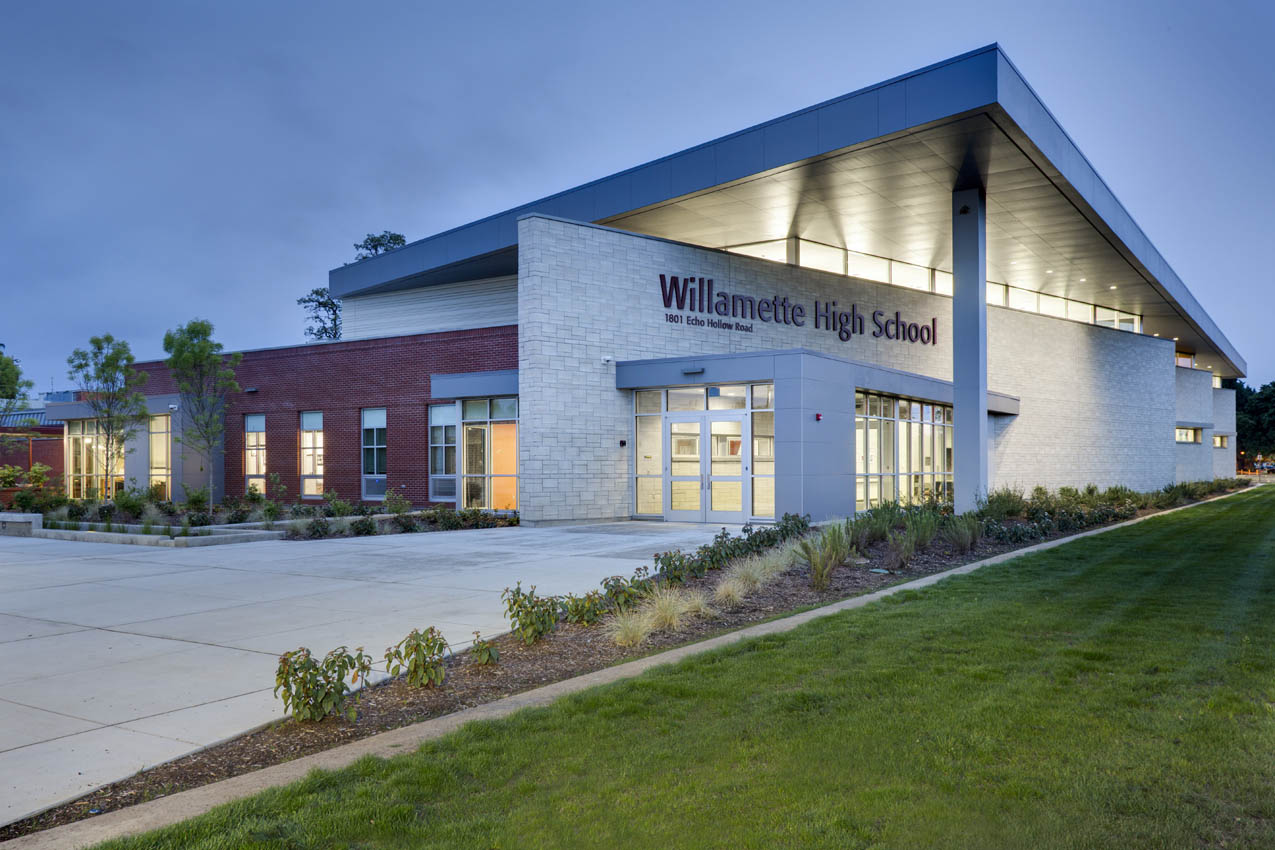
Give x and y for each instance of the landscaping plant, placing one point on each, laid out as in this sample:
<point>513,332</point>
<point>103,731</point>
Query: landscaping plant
<point>824,552</point>
<point>364,526</point>
<point>583,610</point>
<point>484,652</point>
<point>313,690</point>
<point>420,656</point>
<point>531,616</point>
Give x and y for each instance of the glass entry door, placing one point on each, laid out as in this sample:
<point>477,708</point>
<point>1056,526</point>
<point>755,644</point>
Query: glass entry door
<point>707,475</point>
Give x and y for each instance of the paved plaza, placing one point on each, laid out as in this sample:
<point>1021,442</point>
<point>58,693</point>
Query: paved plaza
<point>115,657</point>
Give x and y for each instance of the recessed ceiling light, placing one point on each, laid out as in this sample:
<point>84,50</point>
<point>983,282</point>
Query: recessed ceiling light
<point>1082,280</point>
<point>1013,262</point>
<point>1113,286</point>
<point>1049,271</point>
<point>1175,339</point>
<point>1155,334</point>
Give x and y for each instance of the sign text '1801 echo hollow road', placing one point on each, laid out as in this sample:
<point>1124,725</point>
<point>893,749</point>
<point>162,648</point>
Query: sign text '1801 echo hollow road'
<point>698,295</point>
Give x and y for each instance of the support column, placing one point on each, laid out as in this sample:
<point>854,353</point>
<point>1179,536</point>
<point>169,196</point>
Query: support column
<point>969,346</point>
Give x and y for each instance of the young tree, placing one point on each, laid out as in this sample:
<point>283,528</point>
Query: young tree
<point>110,386</point>
<point>14,390</point>
<point>373,245</point>
<point>204,376</point>
<point>324,312</point>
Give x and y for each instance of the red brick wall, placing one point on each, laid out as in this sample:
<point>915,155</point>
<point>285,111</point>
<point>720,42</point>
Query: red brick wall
<point>341,379</point>
<point>45,449</point>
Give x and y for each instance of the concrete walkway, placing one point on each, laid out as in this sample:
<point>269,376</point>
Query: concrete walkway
<point>114,658</point>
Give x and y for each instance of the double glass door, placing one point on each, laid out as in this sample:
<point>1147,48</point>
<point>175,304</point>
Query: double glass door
<point>707,475</point>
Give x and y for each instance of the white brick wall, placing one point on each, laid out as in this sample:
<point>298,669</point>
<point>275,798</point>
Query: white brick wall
<point>1097,405</point>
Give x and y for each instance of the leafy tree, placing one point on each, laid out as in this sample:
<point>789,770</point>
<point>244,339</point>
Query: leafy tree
<point>373,245</point>
<point>324,312</point>
<point>1255,420</point>
<point>204,376</point>
<point>111,388</point>
<point>13,396</point>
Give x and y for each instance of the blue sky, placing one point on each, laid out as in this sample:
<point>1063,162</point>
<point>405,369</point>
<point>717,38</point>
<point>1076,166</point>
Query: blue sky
<point>164,161</point>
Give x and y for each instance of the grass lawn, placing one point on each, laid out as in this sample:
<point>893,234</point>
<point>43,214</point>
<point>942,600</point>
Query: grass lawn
<point>1115,692</point>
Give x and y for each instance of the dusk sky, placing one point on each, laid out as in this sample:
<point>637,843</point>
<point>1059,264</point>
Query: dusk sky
<point>165,161</point>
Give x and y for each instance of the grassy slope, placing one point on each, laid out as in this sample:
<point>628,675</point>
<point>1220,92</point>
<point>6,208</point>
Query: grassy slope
<point>1114,692</point>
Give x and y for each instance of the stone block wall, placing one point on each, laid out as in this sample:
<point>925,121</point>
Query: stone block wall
<point>1097,404</point>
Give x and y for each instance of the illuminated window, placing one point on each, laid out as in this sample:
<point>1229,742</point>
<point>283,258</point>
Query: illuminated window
<point>1023,299</point>
<point>1217,382</point>
<point>867,267</point>
<point>996,294</point>
<point>814,255</point>
<point>903,450</point>
<point>86,462</point>
<point>489,462</point>
<point>1187,435</point>
<point>913,277</point>
<point>1051,305</point>
<point>1185,360</point>
<point>1221,441</point>
<point>312,454</point>
<point>776,250</point>
<point>254,452</point>
<point>159,447</point>
<point>943,283</point>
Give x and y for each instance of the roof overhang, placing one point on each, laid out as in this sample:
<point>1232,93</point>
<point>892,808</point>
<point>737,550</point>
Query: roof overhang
<point>871,171</point>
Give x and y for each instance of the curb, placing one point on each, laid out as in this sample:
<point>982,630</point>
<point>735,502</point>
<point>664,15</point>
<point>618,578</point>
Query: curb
<point>166,811</point>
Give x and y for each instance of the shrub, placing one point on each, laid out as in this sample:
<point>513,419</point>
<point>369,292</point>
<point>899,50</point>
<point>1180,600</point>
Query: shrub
<point>10,476</point>
<point>313,690</point>
<point>825,552</point>
<point>198,519</point>
<point>623,592</point>
<point>962,531</point>
<point>105,511</point>
<point>130,503</point>
<point>484,651</point>
<point>77,511</point>
<point>531,616</point>
<point>445,518</point>
<point>406,523</point>
<point>396,503</point>
<point>197,498</point>
<point>25,500</point>
<point>675,567</point>
<point>922,524</point>
<point>628,628</point>
<point>867,528</point>
<point>583,610</point>
<point>337,507</point>
<point>364,526</point>
<point>420,656</point>
<point>900,549</point>
<point>318,528</point>
<point>38,475</point>
<point>1118,494</point>
<point>237,514</point>
<point>1002,504</point>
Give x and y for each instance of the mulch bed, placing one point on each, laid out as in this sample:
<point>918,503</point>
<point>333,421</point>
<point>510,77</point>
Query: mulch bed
<point>568,652</point>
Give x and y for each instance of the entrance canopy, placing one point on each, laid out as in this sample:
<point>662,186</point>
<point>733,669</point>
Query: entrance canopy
<point>872,172</point>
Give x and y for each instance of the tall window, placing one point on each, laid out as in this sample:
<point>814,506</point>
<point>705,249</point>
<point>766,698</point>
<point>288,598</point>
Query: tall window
<point>161,459</point>
<point>312,454</point>
<point>490,441</point>
<point>254,452</point>
<point>86,462</point>
<point>648,448</point>
<point>763,398</point>
<point>442,453</point>
<point>374,452</point>
<point>903,450</point>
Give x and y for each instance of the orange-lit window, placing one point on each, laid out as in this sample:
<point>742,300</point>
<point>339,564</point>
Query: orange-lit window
<point>489,442</point>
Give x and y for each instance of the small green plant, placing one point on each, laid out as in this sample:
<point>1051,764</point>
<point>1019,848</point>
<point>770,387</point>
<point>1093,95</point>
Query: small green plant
<point>531,616</point>
<point>337,507</point>
<point>185,526</point>
<point>146,525</point>
<point>420,657</point>
<point>10,475</point>
<point>583,610</point>
<point>318,528</point>
<point>623,592</point>
<point>825,552</point>
<point>484,652</point>
<point>900,549</point>
<point>923,524</point>
<point>313,690</point>
<point>1002,504</point>
<point>196,498</point>
<point>405,523</point>
<point>364,526</point>
<point>961,532</point>
<point>866,529</point>
<point>396,503</point>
